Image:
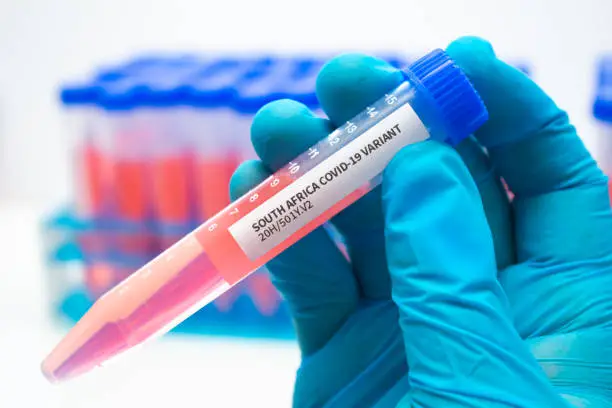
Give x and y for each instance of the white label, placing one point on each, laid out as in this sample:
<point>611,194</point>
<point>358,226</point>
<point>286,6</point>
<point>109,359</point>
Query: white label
<point>327,183</point>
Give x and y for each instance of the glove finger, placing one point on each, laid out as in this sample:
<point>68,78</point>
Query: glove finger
<point>313,276</point>
<point>537,151</point>
<point>494,200</point>
<point>345,86</point>
<point>461,346</point>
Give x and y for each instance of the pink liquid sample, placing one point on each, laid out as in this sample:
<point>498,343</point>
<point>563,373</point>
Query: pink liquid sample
<point>192,273</point>
<point>107,329</point>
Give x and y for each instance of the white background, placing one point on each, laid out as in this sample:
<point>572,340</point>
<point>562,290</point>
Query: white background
<point>45,41</point>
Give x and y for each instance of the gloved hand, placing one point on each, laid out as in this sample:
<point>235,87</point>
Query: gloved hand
<point>454,297</point>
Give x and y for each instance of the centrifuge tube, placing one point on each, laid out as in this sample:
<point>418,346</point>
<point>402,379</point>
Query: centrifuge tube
<point>436,101</point>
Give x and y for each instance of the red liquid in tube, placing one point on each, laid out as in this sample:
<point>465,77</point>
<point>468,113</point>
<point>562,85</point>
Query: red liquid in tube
<point>212,183</point>
<point>171,188</point>
<point>92,167</point>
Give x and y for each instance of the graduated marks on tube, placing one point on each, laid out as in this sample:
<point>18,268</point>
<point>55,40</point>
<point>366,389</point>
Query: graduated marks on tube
<point>297,203</point>
<point>162,268</point>
<point>349,168</point>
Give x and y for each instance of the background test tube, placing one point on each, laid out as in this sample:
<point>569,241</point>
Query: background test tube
<point>130,137</point>
<point>213,129</point>
<point>79,102</point>
<point>171,159</point>
<point>92,182</point>
<point>436,101</point>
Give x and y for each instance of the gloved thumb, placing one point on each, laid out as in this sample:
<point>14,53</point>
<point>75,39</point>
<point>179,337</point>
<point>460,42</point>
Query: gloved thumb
<point>461,346</point>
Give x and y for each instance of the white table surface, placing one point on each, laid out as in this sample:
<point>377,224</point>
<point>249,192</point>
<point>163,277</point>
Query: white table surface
<point>177,371</point>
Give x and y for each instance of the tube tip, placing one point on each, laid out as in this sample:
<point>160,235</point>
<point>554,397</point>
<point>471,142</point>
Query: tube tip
<point>48,373</point>
<point>81,351</point>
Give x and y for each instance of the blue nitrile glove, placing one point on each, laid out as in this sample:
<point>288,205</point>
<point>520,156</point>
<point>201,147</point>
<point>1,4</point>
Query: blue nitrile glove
<point>454,297</point>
